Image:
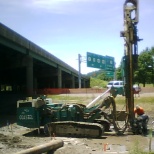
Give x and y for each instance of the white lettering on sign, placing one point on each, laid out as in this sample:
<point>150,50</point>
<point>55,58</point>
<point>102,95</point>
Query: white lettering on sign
<point>89,58</point>
<point>98,60</point>
<point>25,117</point>
<point>103,61</point>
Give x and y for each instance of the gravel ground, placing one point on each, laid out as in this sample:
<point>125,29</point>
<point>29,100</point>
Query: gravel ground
<point>13,141</point>
<point>14,138</point>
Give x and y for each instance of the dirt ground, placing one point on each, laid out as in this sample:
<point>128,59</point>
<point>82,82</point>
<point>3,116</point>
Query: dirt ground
<point>14,138</point>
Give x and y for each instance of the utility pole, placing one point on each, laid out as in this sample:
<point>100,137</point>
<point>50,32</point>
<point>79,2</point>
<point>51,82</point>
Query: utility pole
<point>79,74</point>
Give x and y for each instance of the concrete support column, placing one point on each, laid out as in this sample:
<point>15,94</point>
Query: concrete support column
<point>73,82</point>
<point>29,75</point>
<point>59,78</point>
<point>35,85</point>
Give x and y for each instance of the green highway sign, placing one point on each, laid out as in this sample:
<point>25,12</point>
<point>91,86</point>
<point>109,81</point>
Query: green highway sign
<point>95,61</point>
<point>99,61</point>
<point>109,63</point>
<point>109,74</point>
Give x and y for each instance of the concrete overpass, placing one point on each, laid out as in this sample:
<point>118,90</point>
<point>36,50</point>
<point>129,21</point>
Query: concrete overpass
<point>25,67</point>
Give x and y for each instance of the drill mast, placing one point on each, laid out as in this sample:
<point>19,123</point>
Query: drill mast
<point>130,51</point>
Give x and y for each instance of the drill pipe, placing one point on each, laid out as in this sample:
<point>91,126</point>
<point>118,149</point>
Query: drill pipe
<point>54,144</point>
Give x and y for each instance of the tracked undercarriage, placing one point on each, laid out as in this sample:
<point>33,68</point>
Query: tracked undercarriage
<point>77,129</point>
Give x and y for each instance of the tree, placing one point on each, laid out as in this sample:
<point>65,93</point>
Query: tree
<point>101,76</point>
<point>119,71</point>
<point>94,82</point>
<point>144,74</point>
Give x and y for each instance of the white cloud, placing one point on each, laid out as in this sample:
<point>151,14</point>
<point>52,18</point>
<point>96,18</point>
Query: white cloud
<point>56,6</point>
<point>53,6</point>
<point>68,6</point>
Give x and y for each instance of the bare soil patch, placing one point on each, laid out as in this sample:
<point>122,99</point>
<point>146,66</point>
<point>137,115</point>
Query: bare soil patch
<point>13,138</point>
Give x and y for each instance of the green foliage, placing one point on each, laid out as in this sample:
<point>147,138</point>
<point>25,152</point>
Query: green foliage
<point>145,72</point>
<point>100,74</point>
<point>119,73</point>
<point>94,82</point>
<point>136,150</point>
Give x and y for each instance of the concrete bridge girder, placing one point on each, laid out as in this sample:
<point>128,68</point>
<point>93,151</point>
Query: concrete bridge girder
<point>26,67</point>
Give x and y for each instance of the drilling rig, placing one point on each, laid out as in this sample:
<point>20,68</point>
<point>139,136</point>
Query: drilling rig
<point>90,120</point>
<point>130,59</point>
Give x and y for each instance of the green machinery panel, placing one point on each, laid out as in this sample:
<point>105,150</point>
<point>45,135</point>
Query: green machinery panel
<point>28,117</point>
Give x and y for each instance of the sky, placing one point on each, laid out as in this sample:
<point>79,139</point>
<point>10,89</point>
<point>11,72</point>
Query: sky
<point>66,28</point>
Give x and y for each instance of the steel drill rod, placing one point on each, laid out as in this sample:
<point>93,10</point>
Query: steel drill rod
<point>54,144</point>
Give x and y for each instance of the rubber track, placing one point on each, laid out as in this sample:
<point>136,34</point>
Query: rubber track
<point>74,128</point>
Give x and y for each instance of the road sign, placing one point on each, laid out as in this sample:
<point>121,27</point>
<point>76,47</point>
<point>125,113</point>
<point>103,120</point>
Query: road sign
<point>109,63</point>
<point>109,74</point>
<point>99,61</point>
<point>95,61</point>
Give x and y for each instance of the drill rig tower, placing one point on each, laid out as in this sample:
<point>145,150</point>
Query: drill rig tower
<point>130,51</point>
